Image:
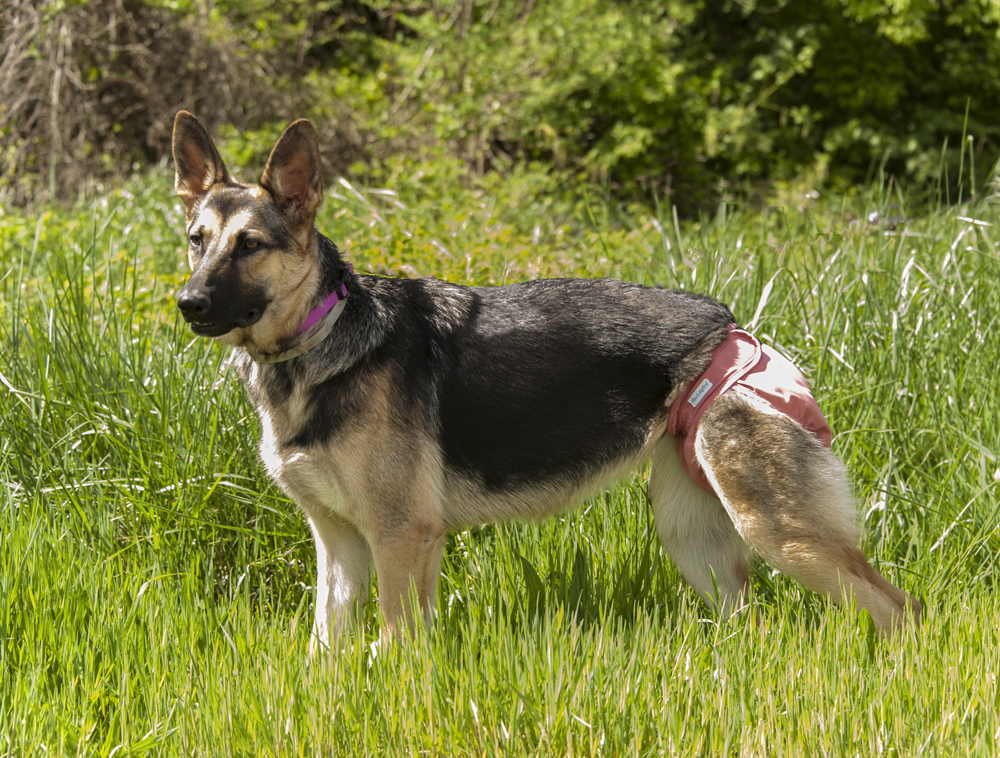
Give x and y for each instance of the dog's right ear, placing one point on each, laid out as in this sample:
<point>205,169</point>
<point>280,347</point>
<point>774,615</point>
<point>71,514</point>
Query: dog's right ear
<point>196,161</point>
<point>293,176</point>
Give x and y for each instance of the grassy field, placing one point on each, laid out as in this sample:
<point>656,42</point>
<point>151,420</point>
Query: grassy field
<point>155,588</point>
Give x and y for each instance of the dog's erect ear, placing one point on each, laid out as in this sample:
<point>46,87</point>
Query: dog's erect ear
<point>196,160</point>
<point>292,174</point>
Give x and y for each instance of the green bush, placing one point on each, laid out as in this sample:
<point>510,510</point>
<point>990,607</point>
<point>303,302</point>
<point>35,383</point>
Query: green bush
<point>690,98</point>
<point>701,96</point>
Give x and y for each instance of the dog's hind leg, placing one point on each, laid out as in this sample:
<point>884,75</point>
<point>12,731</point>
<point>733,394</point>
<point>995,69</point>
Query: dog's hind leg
<point>789,497</point>
<point>697,532</point>
<point>343,573</point>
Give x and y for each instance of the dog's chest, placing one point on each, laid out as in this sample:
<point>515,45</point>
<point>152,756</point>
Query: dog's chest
<point>309,474</point>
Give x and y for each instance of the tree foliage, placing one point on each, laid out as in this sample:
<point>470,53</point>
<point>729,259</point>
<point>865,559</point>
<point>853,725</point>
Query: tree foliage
<point>687,97</point>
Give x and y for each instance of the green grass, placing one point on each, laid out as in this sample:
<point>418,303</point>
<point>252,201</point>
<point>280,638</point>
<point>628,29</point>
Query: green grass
<point>155,588</point>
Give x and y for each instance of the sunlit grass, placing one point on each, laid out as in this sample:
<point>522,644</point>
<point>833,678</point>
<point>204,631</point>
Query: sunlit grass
<point>155,593</point>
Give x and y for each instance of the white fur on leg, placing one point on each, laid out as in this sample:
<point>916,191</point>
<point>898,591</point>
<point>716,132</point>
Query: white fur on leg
<point>697,532</point>
<point>343,572</point>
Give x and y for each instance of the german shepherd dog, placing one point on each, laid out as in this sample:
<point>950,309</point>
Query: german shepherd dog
<point>395,410</point>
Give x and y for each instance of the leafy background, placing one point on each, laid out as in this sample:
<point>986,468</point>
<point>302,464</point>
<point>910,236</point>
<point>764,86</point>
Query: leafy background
<point>695,99</point>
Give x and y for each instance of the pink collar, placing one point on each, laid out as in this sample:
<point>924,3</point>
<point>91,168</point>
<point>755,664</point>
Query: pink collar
<point>315,328</point>
<point>331,300</point>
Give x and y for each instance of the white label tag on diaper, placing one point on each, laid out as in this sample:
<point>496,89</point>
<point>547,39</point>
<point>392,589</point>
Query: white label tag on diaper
<point>699,394</point>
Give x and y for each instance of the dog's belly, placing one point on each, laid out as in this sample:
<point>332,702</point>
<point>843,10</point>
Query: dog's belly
<point>335,479</point>
<point>468,502</point>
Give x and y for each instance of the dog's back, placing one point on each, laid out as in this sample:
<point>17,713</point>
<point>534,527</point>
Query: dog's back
<point>559,379</point>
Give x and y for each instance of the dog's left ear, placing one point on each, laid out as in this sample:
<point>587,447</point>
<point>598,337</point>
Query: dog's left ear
<point>292,174</point>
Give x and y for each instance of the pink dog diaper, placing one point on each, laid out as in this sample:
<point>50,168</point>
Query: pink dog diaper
<point>757,372</point>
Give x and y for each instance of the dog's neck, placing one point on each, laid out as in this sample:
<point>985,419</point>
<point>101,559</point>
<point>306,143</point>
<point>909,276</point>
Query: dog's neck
<point>319,322</point>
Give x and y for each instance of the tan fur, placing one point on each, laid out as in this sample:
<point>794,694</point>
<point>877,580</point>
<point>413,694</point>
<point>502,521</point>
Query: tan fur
<point>293,287</point>
<point>382,480</point>
<point>790,499</point>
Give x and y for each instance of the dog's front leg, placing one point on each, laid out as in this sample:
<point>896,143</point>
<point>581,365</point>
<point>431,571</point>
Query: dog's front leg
<point>408,559</point>
<point>343,573</point>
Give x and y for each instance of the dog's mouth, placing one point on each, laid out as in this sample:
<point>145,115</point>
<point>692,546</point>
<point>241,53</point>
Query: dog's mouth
<point>211,329</point>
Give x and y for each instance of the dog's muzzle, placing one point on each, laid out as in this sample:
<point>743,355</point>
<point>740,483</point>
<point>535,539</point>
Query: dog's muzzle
<point>207,318</point>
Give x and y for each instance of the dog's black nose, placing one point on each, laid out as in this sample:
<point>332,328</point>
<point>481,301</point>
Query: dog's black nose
<point>193,303</point>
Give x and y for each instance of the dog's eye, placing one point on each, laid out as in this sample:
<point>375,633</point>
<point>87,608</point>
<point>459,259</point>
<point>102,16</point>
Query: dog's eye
<point>250,243</point>
<point>195,240</point>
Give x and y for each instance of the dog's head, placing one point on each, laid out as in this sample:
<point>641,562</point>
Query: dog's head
<point>253,249</point>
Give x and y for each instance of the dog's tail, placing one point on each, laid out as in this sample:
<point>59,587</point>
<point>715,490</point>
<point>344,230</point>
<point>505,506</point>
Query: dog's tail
<point>791,500</point>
